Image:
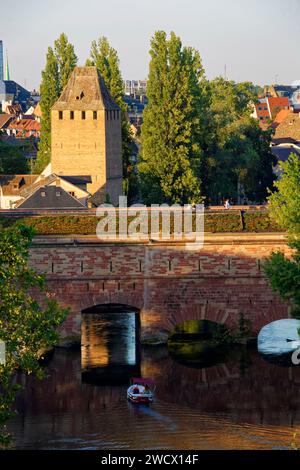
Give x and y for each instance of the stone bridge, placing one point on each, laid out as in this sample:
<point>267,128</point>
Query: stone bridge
<point>168,282</point>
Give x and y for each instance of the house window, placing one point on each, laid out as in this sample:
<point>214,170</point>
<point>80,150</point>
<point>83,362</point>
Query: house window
<point>60,114</point>
<point>82,114</point>
<point>43,193</point>
<point>94,114</point>
<point>71,114</point>
<point>58,193</point>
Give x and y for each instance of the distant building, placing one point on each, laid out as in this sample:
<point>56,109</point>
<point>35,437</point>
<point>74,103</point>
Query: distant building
<point>288,131</point>
<point>268,108</point>
<point>292,92</point>
<point>86,135</point>
<point>50,197</point>
<point>1,61</point>
<point>11,93</point>
<point>135,109</point>
<point>133,87</point>
<point>11,187</point>
<point>24,128</point>
<point>16,189</point>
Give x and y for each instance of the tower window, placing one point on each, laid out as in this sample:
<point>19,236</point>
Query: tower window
<point>71,114</point>
<point>94,114</point>
<point>82,114</point>
<point>60,114</point>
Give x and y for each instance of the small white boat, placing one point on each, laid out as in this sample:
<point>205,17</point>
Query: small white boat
<point>141,391</point>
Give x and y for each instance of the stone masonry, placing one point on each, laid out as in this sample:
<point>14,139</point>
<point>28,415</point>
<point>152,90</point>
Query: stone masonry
<point>167,282</point>
<point>86,134</point>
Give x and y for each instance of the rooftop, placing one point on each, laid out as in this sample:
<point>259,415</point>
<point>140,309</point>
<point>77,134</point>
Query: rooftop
<point>85,90</point>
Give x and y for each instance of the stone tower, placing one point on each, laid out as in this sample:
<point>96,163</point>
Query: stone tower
<point>86,134</point>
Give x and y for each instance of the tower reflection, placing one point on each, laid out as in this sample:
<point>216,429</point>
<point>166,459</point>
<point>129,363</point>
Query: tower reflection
<point>109,345</point>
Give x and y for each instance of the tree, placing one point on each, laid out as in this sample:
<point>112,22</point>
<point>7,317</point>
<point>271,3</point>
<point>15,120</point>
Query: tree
<point>284,203</point>
<point>173,127</point>
<point>13,159</point>
<point>239,158</point>
<point>284,207</point>
<point>105,58</point>
<point>25,326</point>
<point>60,62</point>
<point>66,59</point>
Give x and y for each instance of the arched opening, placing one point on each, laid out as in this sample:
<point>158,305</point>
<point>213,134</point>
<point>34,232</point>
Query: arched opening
<point>110,344</point>
<point>199,343</point>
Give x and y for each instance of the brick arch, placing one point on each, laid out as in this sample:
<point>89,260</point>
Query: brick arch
<point>89,300</point>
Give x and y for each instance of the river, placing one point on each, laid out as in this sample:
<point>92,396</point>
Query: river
<point>241,402</point>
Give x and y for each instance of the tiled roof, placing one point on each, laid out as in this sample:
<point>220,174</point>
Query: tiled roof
<point>281,116</point>
<point>85,90</point>
<point>25,124</point>
<point>4,120</point>
<point>13,185</point>
<point>289,128</point>
<point>50,197</point>
<point>282,153</point>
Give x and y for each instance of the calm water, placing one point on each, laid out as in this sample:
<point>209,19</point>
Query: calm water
<point>242,402</point>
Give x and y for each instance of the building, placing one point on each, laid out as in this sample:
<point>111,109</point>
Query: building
<point>288,131</point>
<point>1,61</point>
<point>11,187</point>
<point>86,135</point>
<point>11,93</point>
<point>24,128</point>
<point>16,189</point>
<point>135,109</point>
<point>135,87</point>
<point>50,197</point>
<point>267,108</point>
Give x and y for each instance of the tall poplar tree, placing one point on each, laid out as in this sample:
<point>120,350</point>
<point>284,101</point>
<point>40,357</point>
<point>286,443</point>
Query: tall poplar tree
<point>60,62</point>
<point>105,58</point>
<point>172,131</point>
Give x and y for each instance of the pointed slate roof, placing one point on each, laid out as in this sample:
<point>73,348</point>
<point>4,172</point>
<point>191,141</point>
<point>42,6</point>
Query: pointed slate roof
<point>85,90</point>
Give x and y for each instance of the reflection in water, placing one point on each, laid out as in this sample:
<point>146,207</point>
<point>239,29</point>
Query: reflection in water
<point>109,347</point>
<point>242,403</point>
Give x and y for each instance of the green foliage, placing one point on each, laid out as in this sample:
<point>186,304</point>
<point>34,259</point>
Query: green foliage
<point>215,222</point>
<point>223,222</point>
<point>12,159</point>
<point>239,161</point>
<point>105,58</point>
<point>60,62</point>
<point>260,222</point>
<point>173,126</point>
<point>25,327</point>
<point>284,276</point>
<point>284,203</point>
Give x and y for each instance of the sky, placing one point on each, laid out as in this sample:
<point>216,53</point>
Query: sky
<point>258,40</point>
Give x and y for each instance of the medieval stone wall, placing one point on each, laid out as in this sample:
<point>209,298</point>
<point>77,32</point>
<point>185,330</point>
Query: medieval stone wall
<point>168,282</point>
